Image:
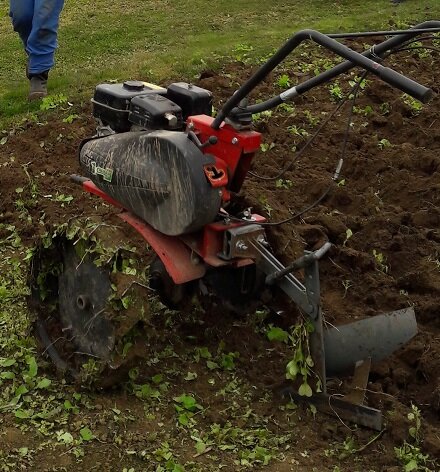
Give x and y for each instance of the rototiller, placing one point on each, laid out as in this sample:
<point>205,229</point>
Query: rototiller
<point>174,170</point>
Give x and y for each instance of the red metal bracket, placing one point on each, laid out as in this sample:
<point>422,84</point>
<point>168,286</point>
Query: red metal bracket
<point>174,254</point>
<point>233,148</point>
<point>90,187</point>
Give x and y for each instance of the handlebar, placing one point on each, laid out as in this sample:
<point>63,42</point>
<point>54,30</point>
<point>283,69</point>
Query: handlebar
<point>395,79</point>
<point>405,84</point>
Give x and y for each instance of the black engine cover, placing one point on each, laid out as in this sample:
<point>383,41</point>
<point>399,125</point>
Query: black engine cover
<point>157,175</point>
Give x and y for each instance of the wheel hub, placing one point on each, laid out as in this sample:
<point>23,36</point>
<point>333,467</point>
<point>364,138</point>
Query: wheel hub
<point>84,290</point>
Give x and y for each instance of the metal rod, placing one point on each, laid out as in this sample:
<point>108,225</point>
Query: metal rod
<point>366,34</point>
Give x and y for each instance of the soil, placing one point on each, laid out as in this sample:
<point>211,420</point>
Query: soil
<point>382,216</point>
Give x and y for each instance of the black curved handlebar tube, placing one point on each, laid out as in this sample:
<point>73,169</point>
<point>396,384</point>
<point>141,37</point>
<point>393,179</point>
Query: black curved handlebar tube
<point>354,58</point>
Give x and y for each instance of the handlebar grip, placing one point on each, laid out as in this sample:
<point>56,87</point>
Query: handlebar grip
<point>407,85</point>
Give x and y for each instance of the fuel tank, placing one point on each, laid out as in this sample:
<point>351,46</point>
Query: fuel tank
<point>157,175</point>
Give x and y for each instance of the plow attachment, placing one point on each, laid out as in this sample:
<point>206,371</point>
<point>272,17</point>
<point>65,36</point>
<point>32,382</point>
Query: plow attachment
<point>347,349</point>
<point>374,338</point>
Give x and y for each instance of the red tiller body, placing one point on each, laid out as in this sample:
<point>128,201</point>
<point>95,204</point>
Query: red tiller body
<point>233,151</point>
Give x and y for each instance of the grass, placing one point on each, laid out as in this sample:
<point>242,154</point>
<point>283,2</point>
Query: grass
<point>157,40</point>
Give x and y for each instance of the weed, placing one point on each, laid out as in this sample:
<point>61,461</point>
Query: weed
<point>261,117</point>
<point>302,362</point>
<point>296,131</point>
<point>365,111</point>
<point>341,183</point>
<point>348,235</point>
<point>264,147</point>
<point>346,284</point>
<point>241,52</point>
<point>385,108</point>
<point>362,83</point>
<point>283,81</point>
<point>383,143</point>
<point>287,107</point>
<point>263,200</point>
<point>435,261</point>
<point>336,92</point>
<point>186,406</point>
<point>415,106</point>
<point>412,458</point>
<point>380,261</point>
<point>313,120</point>
<point>53,101</point>
<point>70,118</point>
<point>283,183</point>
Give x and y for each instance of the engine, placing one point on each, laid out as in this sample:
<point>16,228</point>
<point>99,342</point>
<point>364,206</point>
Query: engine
<point>142,158</point>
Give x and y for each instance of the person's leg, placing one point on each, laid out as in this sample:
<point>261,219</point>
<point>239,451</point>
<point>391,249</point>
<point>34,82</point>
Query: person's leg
<point>22,13</point>
<point>42,40</point>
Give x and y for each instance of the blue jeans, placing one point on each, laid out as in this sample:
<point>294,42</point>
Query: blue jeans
<point>36,21</point>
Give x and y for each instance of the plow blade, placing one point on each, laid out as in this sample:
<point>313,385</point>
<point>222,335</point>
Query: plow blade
<point>375,338</point>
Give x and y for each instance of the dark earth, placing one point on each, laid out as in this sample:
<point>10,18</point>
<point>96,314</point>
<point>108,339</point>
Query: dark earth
<point>383,218</point>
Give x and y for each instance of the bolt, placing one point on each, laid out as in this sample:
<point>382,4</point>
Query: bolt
<point>234,140</point>
<point>195,259</point>
<point>241,246</point>
<point>191,126</point>
<point>83,302</point>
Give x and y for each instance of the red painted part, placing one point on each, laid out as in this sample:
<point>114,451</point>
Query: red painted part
<point>90,187</point>
<point>235,148</point>
<point>174,254</point>
<point>217,176</point>
<point>210,243</point>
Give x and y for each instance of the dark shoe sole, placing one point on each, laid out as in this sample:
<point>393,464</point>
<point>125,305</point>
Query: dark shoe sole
<point>36,96</point>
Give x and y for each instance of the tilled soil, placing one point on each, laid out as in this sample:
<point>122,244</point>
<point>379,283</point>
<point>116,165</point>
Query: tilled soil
<point>382,216</point>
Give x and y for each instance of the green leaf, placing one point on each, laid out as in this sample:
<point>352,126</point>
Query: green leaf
<point>127,347</point>
<point>68,405</point>
<point>228,361</point>
<point>183,419</point>
<point>33,367</point>
<point>200,447</point>
<point>22,414</point>
<point>7,362</point>
<point>188,402</point>
<point>23,451</point>
<point>191,376</point>
<point>126,302</point>
<point>157,379</point>
<point>412,465</point>
<point>44,383</point>
<point>7,375</point>
<point>292,370</point>
<point>66,438</point>
<point>277,334</point>
<point>212,365</point>
<point>305,390</point>
<point>22,389</point>
<point>86,434</point>
<point>204,353</point>
<point>133,373</point>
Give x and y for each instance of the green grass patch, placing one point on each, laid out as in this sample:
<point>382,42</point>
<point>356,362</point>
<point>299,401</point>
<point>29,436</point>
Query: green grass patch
<point>157,40</point>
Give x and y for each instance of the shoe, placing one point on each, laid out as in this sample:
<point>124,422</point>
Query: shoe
<point>38,85</point>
